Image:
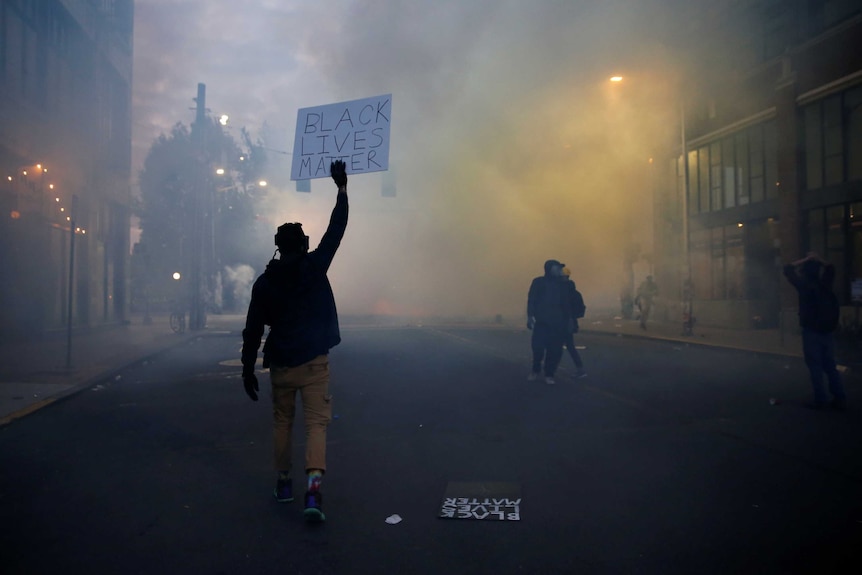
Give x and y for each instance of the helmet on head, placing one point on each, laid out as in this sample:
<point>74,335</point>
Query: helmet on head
<point>291,239</point>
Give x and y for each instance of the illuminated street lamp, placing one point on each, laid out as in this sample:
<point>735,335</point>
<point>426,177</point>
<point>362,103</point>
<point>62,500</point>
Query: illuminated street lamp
<point>687,288</point>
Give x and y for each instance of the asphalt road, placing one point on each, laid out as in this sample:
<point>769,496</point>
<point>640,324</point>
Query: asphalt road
<point>666,459</point>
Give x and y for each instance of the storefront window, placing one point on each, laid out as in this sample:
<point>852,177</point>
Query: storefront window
<point>770,150</point>
<point>835,245</point>
<point>728,172</point>
<point>856,240</point>
<point>693,206</point>
<point>742,168</point>
<point>717,249</point>
<point>715,188</point>
<point>703,178</point>
<point>755,151</point>
<point>833,145</point>
<point>734,250</point>
<point>699,252</point>
<point>813,148</point>
<point>853,111</point>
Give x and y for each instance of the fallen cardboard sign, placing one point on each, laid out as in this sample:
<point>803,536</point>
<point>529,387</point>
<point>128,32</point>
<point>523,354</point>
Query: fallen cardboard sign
<point>484,501</point>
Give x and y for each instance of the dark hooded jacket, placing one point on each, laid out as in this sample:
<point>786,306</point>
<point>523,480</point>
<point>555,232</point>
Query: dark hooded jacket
<point>818,306</point>
<point>550,300</point>
<point>294,298</point>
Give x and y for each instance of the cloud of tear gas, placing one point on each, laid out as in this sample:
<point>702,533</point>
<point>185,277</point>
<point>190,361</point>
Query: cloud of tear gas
<point>508,145</point>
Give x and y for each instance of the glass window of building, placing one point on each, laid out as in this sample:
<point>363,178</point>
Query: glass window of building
<point>833,143</point>
<point>719,285</point>
<point>701,265</point>
<point>813,147</point>
<point>728,172</point>
<point>703,178</point>
<point>742,168</point>
<point>816,231</point>
<point>715,188</point>
<point>734,249</point>
<point>853,113</point>
<point>856,240</point>
<point>770,158</point>
<point>755,163</point>
<point>835,247</point>
<point>693,206</point>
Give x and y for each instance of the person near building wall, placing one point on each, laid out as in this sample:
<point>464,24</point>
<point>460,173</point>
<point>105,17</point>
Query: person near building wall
<point>818,317</point>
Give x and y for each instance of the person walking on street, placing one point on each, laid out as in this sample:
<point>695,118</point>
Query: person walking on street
<point>647,292</point>
<point>293,296</point>
<point>819,312</point>
<point>578,311</point>
<point>548,316</point>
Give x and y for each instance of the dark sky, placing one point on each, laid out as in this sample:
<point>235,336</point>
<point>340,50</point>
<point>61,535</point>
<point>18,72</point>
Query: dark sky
<point>508,144</point>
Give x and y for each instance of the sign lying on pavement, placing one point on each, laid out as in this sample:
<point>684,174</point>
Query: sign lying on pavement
<point>355,132</point>
<point>485,501</point>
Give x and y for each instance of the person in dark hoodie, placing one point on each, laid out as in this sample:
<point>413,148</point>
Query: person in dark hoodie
<point>818,317</point>
<point>294,298</point>
<point>549,315</point>
<point>578,311</point>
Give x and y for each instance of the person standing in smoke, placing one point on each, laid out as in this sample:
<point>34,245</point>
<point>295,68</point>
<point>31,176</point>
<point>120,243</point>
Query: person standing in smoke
<point>578,311</point>
<point>294,298</point>
<point>549,316</point>
<point>819,314</point>
<point>647,292</point>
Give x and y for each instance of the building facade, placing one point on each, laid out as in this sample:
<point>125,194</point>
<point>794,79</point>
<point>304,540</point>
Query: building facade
<point>65,163</point>
<point>773,159</point>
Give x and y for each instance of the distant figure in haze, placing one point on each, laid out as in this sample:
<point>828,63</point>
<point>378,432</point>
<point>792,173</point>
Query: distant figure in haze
<point>818,317</point>
<point>549,315</point>
<point>645,296</point>
<point>578,311</point>
<point>294,298</point>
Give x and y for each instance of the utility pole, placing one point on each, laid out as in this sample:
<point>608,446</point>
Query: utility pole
<point>197,311</point>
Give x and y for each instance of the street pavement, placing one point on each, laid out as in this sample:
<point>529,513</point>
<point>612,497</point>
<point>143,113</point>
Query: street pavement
<point>36,374</point>
<point>667,458</point>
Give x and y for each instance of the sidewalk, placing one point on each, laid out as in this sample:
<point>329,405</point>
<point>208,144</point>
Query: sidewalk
<point>770,341</point>
<point>33,375</point>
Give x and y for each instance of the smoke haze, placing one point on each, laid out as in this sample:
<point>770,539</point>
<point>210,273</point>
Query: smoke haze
<point>508,145</point>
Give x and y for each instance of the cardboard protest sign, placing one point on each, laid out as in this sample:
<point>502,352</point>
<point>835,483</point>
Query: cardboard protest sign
<point>355,132</point>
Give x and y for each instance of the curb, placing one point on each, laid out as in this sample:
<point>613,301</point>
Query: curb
<point>692,341</point>
<point>109,373</point>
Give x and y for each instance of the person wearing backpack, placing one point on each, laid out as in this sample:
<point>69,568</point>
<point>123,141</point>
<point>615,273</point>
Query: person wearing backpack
<point>818,317</point>
<point>549,316</point>
<point>578,311</point>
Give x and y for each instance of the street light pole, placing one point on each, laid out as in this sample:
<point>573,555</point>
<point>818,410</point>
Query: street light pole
<point>197,319</point>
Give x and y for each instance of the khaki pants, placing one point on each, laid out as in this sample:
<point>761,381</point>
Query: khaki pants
<point>311,380</point>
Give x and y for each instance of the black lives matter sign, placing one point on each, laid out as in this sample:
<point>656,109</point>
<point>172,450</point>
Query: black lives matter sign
<point>355,132</point>
<point>484,501</point>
